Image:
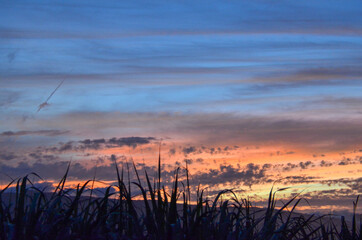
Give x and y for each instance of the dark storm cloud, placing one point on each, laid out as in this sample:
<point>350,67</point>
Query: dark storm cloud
<point>36,132</point>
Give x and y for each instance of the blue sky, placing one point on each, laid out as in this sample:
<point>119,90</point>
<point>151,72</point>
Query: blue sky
<point>299,60</point>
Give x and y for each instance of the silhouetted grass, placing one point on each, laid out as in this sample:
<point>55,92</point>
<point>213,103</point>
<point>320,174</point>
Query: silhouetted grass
<point>64,214</point>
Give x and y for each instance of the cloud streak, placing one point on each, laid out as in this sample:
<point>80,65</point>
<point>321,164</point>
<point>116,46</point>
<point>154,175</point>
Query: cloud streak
<point>234,17</point>
<point>243,92</point>
<point>214,128</point>
<point>36,132</point>
<point>101,143</point>
<point>44,104</point>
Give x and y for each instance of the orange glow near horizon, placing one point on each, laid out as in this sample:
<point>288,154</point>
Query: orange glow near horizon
<point>282,165</point>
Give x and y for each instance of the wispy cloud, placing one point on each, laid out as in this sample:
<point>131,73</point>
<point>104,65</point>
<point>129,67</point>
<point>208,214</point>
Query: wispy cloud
<point>234,17</point>
<point>245,92</point>
<point>35,132</point>
<point>44,104</point>
<point>96,144</point>
<point>11,56</point>
<point>8,156</point>
<point>207,128</point>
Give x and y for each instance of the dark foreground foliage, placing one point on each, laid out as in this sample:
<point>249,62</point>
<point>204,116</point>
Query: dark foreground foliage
<point>33,214</point>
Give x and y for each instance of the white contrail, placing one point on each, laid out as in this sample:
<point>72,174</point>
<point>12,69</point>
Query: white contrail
<point>46,101</point>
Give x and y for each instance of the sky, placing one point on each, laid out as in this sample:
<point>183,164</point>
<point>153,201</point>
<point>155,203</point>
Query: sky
<point>250,94</point>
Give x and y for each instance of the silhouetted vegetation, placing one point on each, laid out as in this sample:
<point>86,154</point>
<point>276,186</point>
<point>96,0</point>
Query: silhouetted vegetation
<point>32,213</point>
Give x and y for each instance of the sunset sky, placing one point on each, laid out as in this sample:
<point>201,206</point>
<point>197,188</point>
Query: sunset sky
<point>248,93</point>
